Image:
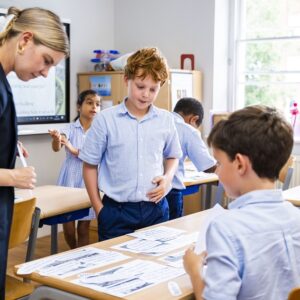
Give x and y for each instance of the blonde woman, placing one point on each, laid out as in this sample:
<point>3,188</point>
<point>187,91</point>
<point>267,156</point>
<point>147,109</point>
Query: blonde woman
<point>31,42</point>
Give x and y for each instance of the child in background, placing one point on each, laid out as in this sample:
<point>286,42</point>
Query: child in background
<point>72,137</point>
<point>137,148</point>
<point>188,116</point>
<point>253,249</point>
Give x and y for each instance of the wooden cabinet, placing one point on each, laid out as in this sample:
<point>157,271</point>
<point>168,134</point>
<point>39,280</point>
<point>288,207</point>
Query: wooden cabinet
<point>111,86</point>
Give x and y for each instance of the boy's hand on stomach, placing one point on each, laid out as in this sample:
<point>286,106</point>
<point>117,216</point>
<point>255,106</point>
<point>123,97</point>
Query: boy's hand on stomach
<point>158,193</point>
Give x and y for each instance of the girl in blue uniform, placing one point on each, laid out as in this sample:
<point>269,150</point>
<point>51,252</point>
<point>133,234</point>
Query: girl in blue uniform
<point>72,137</point>
<point>31,41</point>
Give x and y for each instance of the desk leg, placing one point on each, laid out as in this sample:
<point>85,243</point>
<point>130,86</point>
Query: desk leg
<point>33,234</point>
<point>54,239</point>
<point>207,204</point>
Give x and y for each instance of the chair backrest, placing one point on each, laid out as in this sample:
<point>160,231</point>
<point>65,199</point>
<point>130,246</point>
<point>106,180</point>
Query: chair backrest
<point>22,220</point>
<point>20,231</point>
<point>219,196</point>
<point>294,294</point>
<point>285,174</point>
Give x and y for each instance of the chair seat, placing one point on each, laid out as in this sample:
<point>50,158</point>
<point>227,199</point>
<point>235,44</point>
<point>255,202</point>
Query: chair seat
<point>15,288</point>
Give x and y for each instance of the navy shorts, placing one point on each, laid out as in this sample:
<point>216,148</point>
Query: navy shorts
<point>175,201</point>
<point>119,218</point>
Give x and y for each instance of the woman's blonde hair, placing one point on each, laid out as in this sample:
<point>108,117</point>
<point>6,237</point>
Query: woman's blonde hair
<point>147,62</point>
<point>46,27</point>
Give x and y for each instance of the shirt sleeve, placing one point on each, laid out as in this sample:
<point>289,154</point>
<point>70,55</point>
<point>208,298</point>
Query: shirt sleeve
<point>172,147</point>
<point>222,278</point>
<point>198,152</point>
<point>95,142</point>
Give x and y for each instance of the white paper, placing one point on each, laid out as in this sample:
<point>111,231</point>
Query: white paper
<point>128,278</point>
<point>160,234</point>
<point>174,260</point>
<point>190,176</point>
<point>216,211</point>
<point>156,248</point>
<point>70,263</point>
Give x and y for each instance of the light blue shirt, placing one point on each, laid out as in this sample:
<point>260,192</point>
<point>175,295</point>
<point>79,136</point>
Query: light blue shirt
<point>193,147</point>
<point>130,151</point>
<point>254,249</point>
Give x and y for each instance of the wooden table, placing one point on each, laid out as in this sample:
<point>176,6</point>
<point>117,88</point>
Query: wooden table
<point>293,195</point>
<point>59,287</point>
<point>55,205</point>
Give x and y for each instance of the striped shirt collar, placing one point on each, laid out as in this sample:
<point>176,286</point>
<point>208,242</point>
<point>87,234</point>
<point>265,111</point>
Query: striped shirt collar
<point>123,110</point>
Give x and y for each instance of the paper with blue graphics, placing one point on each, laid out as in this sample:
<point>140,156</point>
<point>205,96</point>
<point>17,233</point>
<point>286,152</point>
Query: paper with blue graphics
<point>216,211</point>
<point>128,278</point>
<point>72,262</point>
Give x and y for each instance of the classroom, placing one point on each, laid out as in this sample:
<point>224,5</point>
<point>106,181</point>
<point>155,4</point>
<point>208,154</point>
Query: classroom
<point>218,35</point>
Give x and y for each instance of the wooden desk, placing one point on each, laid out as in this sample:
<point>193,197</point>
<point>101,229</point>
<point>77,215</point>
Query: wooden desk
<point>190,223</point>
<point>293,195</point>
<point>55,205</point>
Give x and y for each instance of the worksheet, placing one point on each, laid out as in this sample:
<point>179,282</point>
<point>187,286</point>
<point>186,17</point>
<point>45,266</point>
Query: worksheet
<point>128,278</point>
<point>157,247</point>
<point>216,211</point>
<point>69,263</point>
<point>160,234</point>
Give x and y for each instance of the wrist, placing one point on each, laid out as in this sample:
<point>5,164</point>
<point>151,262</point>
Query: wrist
<point>11,177</point>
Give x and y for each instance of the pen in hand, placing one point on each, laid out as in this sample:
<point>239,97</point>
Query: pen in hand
<point>24,164</point>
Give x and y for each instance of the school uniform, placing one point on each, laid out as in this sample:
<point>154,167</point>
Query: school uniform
<point>194,148</point>
<point>253,249</point>
<point>71,171</point>
<point>130,153</point>
<point>8,129</point>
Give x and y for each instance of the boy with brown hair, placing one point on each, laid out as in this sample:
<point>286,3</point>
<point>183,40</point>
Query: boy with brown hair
<point>252,250</point>
<point>137,149</point>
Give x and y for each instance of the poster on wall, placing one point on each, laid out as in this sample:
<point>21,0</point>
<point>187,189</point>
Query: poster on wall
<point>101,84</point>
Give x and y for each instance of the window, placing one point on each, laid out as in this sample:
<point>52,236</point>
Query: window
<point>266,53</point>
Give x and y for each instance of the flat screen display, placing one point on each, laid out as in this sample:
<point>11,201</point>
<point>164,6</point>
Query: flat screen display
<point>42,103</point>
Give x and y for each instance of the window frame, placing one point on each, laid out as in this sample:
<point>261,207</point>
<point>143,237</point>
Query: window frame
<point>236,25</point>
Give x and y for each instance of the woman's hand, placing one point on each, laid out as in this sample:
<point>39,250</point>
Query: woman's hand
<point>23,178</point>
<point>23,149</point>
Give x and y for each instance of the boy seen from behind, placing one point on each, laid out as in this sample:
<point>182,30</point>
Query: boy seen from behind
<point>137,149</point>
<point>188,116</point>
<point>253,249</point>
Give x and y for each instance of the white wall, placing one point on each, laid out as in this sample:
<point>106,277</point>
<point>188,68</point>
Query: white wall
<point>220,65</point>
<point>92,27</point>
<point>174,26</point>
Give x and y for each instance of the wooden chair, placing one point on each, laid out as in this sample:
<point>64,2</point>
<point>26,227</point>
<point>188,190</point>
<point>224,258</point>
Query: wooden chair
<point>20,230</point>
<point>294,294</point>
<point>285,174</point>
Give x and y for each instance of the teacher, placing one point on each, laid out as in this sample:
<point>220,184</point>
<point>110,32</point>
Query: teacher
<point>31,42</point>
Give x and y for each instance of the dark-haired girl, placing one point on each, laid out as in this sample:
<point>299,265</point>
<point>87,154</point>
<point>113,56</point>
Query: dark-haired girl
<point>72,137</point>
